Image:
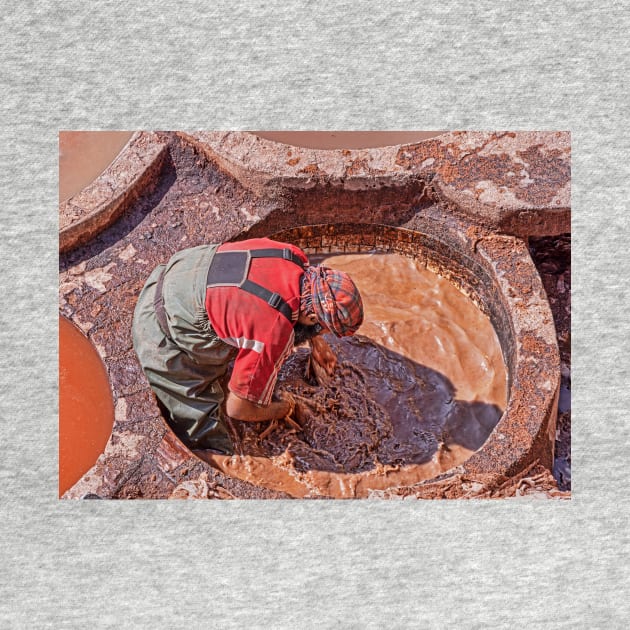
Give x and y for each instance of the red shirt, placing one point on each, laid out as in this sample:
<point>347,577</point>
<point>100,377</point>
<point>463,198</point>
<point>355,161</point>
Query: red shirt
<point>263,335</point>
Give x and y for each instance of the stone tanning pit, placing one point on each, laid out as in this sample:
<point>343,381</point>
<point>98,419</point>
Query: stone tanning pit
<point>461,205</point>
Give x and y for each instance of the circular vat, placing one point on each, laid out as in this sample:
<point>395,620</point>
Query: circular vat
<point>499,278</point>
<point>86,409</point>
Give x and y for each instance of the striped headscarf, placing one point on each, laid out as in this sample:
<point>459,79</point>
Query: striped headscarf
<point>334,299</point>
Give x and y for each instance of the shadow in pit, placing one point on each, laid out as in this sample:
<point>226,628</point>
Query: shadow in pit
<point>379,407</point>
<point>326,204</point>
<point>129,220</point>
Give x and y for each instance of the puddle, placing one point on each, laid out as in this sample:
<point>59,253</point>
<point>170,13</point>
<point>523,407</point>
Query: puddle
<point>416,392</point>
<point>84,155</point>
<point>86,409</point>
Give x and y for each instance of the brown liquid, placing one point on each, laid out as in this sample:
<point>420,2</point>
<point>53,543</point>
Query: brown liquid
<point>86,409</point>
<point>84,155</point>
<point>346,139</point>
<point>416,392</point>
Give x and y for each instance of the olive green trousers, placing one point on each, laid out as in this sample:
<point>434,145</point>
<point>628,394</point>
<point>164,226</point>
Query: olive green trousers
<point>185,363</point>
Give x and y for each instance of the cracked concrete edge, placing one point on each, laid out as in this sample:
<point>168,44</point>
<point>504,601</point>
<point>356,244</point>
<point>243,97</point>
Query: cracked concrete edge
<point>535,378</point>
<point>516,183</point>
<point>480,174</point>
<point>98,205</point>
<point>266,167</point>
<point>261,164</point>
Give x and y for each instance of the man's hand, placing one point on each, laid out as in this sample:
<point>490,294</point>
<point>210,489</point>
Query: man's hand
<point>285,399</point>
<point>288,398</point>
<point>322,362</point>
<point>323,355</point>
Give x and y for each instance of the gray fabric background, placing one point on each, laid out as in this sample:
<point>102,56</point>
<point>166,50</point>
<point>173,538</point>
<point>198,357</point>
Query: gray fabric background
<point>303,65</point>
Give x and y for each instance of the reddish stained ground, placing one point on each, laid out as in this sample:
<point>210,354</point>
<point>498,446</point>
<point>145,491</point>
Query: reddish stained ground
<point>535,176</point>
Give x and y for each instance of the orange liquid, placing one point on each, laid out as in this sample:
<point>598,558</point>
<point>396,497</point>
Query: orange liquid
<point>84,155</point>
<point>86,407</point>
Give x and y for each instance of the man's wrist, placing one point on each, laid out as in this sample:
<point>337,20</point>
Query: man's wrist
<point>284,408</point>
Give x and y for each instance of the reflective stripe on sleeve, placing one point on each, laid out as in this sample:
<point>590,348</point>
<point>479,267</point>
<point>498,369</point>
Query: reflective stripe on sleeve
<point>248,344</point>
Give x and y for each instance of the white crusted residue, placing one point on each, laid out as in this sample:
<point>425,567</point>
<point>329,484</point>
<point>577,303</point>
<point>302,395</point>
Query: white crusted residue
<point>249,216</point>
<point>120,411</point>
<point>126,445</point>
<point>128,253</point>
<point>96,278</point>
